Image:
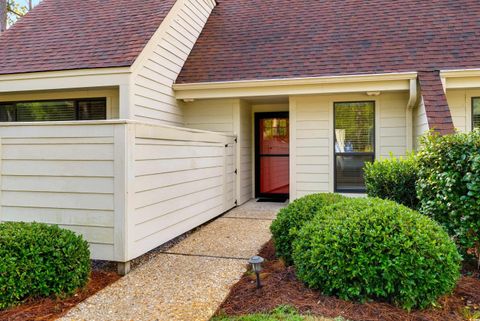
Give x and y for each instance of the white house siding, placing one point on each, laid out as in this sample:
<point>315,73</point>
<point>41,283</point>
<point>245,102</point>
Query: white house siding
<point>459,108</point>
<point>61,174</point>
<point>228,116</point>
<point>460,102</point>
<point>183,178</point>
<point>245,154</point>
<point>162,60</point>
<point>212,114</point>
<point>392,125</point>
<point>312,137</point>
<point>232,116</point>
<point>420,123</point>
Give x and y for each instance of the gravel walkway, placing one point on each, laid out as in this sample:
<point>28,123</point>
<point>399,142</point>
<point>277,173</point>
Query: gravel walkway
<point>189,279</point>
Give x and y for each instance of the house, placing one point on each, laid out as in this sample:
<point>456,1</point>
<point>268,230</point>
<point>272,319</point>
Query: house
<point>132,122</point>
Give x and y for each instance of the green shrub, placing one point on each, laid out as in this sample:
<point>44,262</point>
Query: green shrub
<point>291,219</point>
<point>449,185</point>
<point>393,179</point>
<point>364,249</point>
<point>37,260</point>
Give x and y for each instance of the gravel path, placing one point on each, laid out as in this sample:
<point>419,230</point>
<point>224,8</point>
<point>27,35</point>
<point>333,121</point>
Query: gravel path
<point>191,277</point>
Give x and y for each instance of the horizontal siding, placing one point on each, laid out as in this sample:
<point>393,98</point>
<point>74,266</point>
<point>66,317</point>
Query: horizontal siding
<point>392,110</point>
<point>460,108</point>
<point>312,145</point>
<point>420,124</point>
<point>179,184</point>
<point>61,175</point>
<point>314,136</point>
<point>153,97</point>
<point>245,157</point>
<point>215,115</point>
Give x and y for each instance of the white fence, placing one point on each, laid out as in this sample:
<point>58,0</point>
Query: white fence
<point>126,187</point>
<point>183,178</point>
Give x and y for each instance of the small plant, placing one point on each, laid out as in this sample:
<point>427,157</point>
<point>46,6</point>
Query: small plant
<point>366,249</point>
<point>38,260</point>
<point>470,314</point>
<point>292,218</point>
<point>393,179</point>
<point>281,313</point>
<point>449,186</point>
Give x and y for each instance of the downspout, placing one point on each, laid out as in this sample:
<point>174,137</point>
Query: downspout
<point>412,101</point>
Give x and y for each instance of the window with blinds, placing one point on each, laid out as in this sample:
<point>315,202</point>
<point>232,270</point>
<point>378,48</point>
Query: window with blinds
<point>354,144</point>
<point>54,110</point>
<point>476,112</point>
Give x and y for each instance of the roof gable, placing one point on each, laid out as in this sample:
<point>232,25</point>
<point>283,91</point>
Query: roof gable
<point>66,35</point>
<point>275,39</point>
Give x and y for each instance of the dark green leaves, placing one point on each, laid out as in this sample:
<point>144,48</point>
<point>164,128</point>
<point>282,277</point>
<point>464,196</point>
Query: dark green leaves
<point>372,249</point>
<point>449,185</point>
<point>393,179</point>
<point>292,218</point>
<point>37,260</point>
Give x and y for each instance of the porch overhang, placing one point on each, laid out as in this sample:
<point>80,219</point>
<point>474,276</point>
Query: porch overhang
<point>296,86</point>
<point>460,79</point>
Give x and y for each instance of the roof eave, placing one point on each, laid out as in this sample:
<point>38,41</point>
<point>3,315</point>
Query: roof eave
<point>65,79</point>
<point>307,85</point>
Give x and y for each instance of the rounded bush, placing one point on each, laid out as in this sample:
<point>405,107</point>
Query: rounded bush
<point>393,179</point>
<point>365,249</point>
<point>449,186</point>
<point>38,260</point>
<point>291,219</point>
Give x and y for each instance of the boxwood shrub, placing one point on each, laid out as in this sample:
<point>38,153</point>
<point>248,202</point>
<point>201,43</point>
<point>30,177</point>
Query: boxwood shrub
<point>364,249</point>
<point>38,260</point>
<point>292,218</point>
<point>394,179</point>
<point>449,185</point>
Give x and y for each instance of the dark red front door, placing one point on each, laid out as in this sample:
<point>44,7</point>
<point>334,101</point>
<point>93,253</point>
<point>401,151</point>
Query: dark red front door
<point>272,154</point>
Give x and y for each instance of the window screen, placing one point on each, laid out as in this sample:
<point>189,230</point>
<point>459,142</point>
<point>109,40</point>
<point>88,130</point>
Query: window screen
<point>91,110</point>
<point>476,112</point>
<point>54,110</point>
<point>354,144</point>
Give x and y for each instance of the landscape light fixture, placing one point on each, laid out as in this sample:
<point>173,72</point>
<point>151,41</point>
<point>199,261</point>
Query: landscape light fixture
<point>256,262</point>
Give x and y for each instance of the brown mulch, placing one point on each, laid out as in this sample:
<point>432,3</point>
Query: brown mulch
<point>51,309</point>
<point>281,287</point>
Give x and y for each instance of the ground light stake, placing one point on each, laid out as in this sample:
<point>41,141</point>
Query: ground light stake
<point>256,262</point>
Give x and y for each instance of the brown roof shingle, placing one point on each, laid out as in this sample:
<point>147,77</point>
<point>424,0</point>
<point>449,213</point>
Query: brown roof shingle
<point>271,39</point>
<point>436,105</point>
<point>67,34</point>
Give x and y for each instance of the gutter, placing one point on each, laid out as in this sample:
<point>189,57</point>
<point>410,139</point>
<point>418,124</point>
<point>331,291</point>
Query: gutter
<point>297,86</point>
<point>412,100</point>
<point>295,81</point>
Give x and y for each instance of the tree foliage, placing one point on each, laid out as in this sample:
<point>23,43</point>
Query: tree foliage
<point>12,10</point>
<point>449,186</point>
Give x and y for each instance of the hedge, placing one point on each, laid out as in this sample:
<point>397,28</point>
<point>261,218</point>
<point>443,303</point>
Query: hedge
<point>38,260</point>
<point>292,218</point>
<point>449,185</point>
<point>373,249</point>
<point>393,179</point>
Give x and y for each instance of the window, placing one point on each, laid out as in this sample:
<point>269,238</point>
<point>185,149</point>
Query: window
<point>476,112</point>
<point>54,110</point>
<point>354,144</point>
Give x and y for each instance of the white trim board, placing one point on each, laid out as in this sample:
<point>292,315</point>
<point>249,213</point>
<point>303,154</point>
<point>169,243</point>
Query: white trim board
<point>298,86</point>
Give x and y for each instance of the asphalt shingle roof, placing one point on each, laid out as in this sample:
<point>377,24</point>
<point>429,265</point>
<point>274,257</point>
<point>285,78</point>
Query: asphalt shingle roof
<point>68,34</point>
<point>271,39</point>
<point>436,105</point>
